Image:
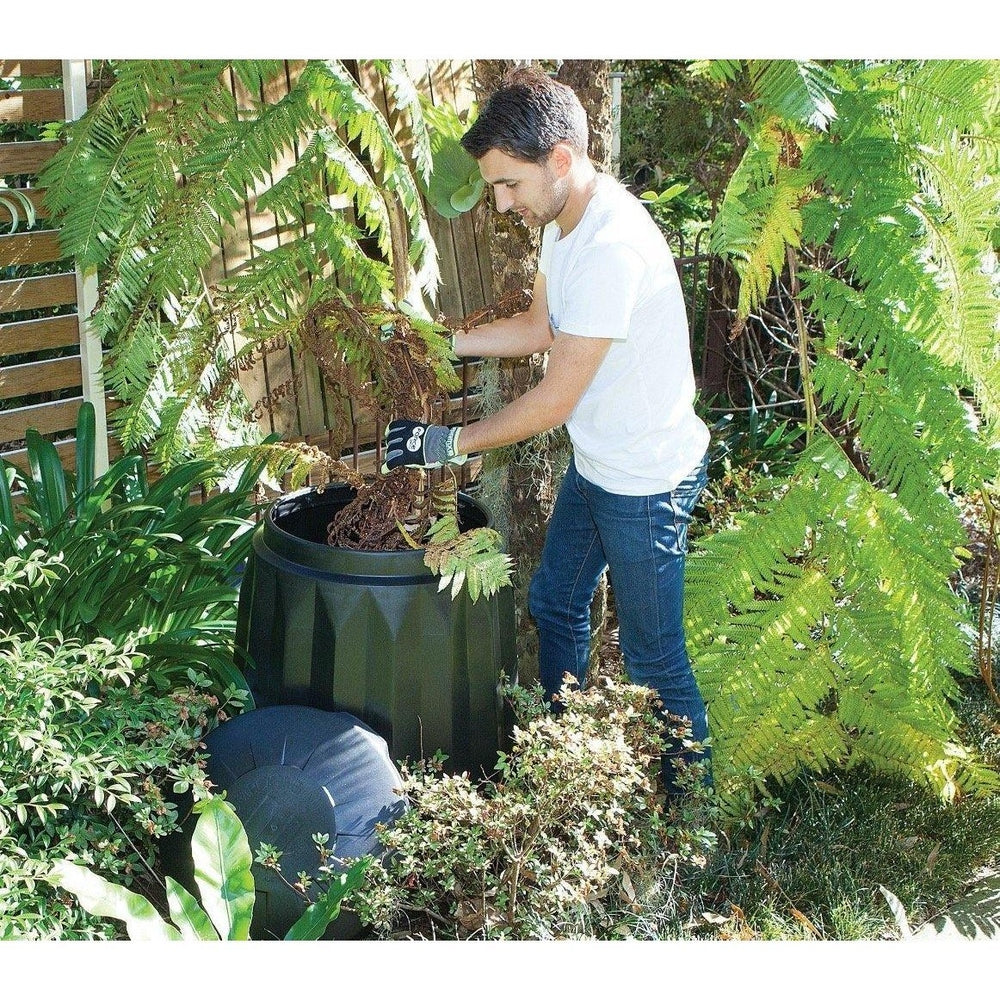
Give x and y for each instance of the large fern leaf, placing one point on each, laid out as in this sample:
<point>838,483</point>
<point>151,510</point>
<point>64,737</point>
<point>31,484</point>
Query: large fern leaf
<point>824,633</point>
<point>160,169</point>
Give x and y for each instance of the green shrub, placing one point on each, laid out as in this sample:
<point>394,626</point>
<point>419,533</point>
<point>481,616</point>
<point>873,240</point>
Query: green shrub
<point>88,746</point>
<point>130,557</point>
<point>569,833</point>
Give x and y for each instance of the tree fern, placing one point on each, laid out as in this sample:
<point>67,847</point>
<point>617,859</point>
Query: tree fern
<point>760,215</point>
<point>154,174</point>
<point>824,628</point>
<point>795,91</point>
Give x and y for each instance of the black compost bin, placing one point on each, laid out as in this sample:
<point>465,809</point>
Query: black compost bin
<point>369,633</point>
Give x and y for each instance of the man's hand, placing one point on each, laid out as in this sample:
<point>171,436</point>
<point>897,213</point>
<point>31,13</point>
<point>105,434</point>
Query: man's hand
<point>414,445</point>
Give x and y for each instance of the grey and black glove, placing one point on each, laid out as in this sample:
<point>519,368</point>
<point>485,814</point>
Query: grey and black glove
<point>414,445</point>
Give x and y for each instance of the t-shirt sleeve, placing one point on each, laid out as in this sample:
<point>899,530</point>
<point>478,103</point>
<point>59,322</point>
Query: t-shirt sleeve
<point>601,291</point>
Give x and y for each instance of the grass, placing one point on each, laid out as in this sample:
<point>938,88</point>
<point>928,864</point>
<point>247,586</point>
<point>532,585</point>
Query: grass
<point>812,864</point>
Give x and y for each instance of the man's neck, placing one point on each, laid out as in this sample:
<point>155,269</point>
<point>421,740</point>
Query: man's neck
<point>582,188</point>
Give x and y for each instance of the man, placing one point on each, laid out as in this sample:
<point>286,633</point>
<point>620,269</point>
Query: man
<point>607,307</point>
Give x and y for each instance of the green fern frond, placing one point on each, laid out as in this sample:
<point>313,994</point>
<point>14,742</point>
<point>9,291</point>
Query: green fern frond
<point>472,559</point>
<point>255,73</point>
<point>161,166</point>
<point>237,154</point>
<point>796,91</point>
<point>936,96</point>
<point>408,103</point>
<point>343,103</point>
<point>755,234</point>
<point>349,175</point>
<point>911,445</point>
<point>831,597</point>
<point>718,70</point>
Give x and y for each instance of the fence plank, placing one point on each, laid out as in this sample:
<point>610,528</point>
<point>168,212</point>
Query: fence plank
<point>454,84</point>
<point>32,106</point>
<point>37,293</point>
<point>40,247</point>
<point>26,157</point>
<point>449,297</point>
<point>39,334</point>
<point>30,67</point>
<point>465,286</point>
<point>40,376</point>
<point>265,233</point>
<point>46,418</point>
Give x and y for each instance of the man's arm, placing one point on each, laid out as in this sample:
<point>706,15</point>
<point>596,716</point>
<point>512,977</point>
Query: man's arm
<point>515,337</point>
<point>572,365</point>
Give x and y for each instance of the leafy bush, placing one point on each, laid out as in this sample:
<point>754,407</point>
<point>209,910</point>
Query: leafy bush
<point>88,743</point>
<point>570,831</point>
<point>131,558</point>
<point>822,622</point>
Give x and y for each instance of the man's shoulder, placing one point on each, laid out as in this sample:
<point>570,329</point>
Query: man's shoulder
<point>621,219</point>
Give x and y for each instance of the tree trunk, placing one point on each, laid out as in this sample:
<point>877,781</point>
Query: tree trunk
<point>591,81</point>
<point>520,482</point>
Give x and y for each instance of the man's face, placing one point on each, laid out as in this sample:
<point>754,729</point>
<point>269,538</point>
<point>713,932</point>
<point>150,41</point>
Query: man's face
<point>535,191</point>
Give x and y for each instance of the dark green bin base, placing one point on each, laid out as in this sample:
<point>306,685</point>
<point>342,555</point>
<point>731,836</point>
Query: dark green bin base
<point>370,633</point>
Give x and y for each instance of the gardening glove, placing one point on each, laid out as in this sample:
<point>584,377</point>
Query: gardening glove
<point>414,445</point>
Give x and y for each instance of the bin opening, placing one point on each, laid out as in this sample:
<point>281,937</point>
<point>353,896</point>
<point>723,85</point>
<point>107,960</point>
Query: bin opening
<point>307,514</point>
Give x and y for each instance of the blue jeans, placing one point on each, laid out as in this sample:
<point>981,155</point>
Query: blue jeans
<point>642,541</point>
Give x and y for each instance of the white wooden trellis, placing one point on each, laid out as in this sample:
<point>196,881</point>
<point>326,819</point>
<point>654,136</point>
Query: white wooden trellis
<point>91,359</point>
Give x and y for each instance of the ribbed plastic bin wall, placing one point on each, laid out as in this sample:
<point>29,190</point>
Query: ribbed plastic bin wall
<point>370,633</point>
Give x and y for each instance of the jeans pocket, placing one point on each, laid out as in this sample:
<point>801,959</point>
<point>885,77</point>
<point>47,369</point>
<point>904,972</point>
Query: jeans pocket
<point>682,500</point>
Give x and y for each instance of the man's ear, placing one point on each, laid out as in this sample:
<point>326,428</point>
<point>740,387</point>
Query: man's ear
<point>561,158</point>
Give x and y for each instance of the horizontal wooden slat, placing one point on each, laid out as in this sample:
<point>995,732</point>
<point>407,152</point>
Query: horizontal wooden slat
<point>40,376</point>
<point>37,293</point>
<point>32,106</point>
<point>39,334</point>
<point>39,247</point>
<point>46,418</point>
<point>26,157</point>
<point>30,67</point>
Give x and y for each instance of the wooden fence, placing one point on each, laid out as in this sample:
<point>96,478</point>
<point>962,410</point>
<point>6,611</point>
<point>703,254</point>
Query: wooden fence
<point>49,360</point>
<point>285,387</point>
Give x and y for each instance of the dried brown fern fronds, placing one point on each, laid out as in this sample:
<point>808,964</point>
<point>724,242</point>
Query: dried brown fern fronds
<point>371,520</point>
<point>382,359</point>
<point>325,468</point>
<point>508,305</point>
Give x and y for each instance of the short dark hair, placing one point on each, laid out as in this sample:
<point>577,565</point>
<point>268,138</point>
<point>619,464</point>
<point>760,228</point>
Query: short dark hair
<point>526,117</point>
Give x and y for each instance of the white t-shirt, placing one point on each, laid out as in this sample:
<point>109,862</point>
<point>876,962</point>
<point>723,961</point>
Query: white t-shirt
<point>634,430</point>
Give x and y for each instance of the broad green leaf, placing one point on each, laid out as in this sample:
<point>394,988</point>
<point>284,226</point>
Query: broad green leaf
<point>466,196</point>
<point>10,199</point>
<point>49,478</point>
<point>86,442</point>
<point>222,860</point>
<point>6,500</point>
<point>188,915</point>
<point>453,168</point>
<point>104,899</point>
<point>311,925</point>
